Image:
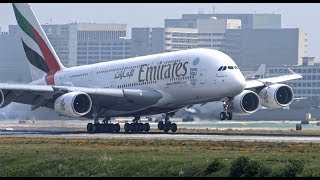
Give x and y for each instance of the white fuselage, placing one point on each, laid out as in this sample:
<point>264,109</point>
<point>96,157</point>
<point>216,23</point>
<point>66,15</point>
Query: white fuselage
<point>183,77</point>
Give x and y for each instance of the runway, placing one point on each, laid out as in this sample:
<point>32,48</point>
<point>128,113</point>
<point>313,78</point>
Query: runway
<point>56,130</point>
<point>162,136</point>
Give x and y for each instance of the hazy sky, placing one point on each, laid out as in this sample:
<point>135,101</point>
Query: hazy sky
<point>293,15</point>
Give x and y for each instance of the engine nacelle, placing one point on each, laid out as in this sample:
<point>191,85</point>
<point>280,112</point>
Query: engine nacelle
<point>246,102</point>
<point>73,104</point>
<point>1,98</point>
<point>276,96</point>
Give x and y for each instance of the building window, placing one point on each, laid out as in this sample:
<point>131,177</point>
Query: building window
<point>308,77</point>
<point>314,77</point>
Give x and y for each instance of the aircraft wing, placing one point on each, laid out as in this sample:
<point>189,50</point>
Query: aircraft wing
<point>107,98</point>
<point>271,80</point>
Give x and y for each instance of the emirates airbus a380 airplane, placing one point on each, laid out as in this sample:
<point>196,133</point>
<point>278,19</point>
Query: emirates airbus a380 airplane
<point>134,87</point>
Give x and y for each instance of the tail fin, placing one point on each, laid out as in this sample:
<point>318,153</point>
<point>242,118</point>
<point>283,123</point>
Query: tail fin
<point>37,47</point>
<point>261,72</point>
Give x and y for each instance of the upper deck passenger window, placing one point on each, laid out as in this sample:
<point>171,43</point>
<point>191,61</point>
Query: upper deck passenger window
<point>224,68</point>
<point>220,68</point>
<point>230,67</point>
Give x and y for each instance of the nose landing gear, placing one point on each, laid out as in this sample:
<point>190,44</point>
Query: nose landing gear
<point>226,114</point>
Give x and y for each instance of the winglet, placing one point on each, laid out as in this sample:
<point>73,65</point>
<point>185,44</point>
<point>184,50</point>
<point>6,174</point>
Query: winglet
<point>291,72</point>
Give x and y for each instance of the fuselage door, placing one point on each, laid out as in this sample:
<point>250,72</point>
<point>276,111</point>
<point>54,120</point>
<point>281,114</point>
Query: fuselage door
<point>91,76</point>
<point>203,77</point>
<point>113,84</point>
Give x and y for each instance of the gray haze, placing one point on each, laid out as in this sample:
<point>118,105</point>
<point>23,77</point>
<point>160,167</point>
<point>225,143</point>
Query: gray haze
<point>294,15</point>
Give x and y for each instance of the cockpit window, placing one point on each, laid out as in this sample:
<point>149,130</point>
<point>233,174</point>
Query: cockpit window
<point>220,68</point>
<point>235,67</point>
<point>230,67</point>
<point>224,68</point>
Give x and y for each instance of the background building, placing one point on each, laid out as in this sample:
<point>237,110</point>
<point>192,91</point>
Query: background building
<point>249,39</point>
<point>86,43</point>
<point>274,47</point>
<point>14,66</point>
<point>102,42</point>
<point>248,21</point>
<point>147,41</point>
<point>307,87</point>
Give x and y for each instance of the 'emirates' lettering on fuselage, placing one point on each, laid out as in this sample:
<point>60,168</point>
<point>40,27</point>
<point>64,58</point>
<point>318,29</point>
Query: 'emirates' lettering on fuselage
<point>162,71</point>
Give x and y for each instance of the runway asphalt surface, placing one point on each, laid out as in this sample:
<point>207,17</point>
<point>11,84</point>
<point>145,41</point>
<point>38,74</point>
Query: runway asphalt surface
<point>47,130</point>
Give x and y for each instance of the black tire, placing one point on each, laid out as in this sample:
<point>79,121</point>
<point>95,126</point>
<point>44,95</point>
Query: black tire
<point>134,127</point>
<point>229,115</point>
<point>174,127</point>
<point>89,128</point>
<point>111,127</point>
<point>140,127</point>
<point>117,128</point>
<point>160,125</point>
<point>127,127</point>
<point>146,127</point>
<point>223,115</point>
<point>166,127</point>
<point>103,128</point>
<point>94,128</point>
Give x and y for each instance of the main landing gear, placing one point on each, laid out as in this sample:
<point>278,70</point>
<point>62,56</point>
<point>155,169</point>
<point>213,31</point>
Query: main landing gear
<point>105,127</point>
<point>226,115</point>
<point>167,125</point>
<point>136,126</point>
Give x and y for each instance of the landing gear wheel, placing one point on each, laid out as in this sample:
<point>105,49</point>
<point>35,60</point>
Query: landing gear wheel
<point>146,127</point>
<point>140,127</point>
<point>167,126</point>
<point>174,127</point>
<point>160,125</point>
<point>117,128</point>
<point>127,127</point>
<point>229,115</point>
<point>94,128</point>
<point>223,115</point>
<point>89,128</point>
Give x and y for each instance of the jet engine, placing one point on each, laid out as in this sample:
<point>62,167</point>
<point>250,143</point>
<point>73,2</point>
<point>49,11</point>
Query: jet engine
<point>246,102</point>
<point>73,104</point>
<point>1,98</point>
<point>276,96</point>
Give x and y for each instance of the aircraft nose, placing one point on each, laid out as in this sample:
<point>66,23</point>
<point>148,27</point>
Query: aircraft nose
<point>239,82</point>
